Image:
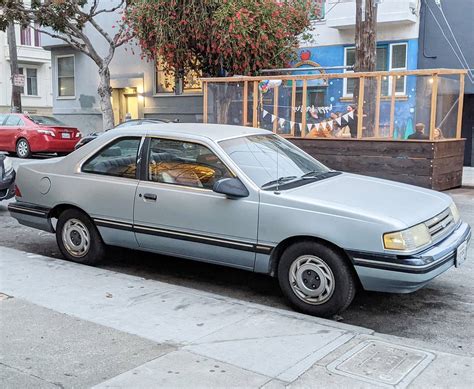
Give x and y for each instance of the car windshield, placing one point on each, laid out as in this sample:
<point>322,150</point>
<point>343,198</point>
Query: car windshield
<point>46,120</point>
<point>271,161</point>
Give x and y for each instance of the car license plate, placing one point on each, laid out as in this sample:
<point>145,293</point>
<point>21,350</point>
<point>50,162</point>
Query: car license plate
<point>66,135</point>
<point>461,254</point>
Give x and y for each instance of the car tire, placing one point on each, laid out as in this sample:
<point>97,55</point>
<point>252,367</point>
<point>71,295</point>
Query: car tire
<point>316,279</point>
<point>23,149</point>
<point>78,238</point>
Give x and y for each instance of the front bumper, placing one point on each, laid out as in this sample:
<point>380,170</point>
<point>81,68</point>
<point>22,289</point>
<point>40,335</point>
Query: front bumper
<point>7,186</point>
<point>405,274</point>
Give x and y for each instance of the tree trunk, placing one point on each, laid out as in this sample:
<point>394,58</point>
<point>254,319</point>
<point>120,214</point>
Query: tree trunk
<point>16,90</point>
<point>105,94</point>
<point>366,58</point>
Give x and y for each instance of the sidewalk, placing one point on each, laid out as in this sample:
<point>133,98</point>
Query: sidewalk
<point>468,177</point>
<point>67,325</point>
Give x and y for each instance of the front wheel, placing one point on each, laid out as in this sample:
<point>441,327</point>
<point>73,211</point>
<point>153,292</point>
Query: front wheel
<point>78,238</point>
<point>316,279</point>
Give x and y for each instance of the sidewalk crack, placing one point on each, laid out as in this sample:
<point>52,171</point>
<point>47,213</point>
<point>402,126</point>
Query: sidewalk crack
<point>32,375</point>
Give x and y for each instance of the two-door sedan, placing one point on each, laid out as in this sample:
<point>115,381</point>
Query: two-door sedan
<point>246,198</point>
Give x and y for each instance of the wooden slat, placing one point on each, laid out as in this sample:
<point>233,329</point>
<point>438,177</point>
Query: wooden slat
<point>434,102</point>
<point>205,102</point>
<point>245,103</point>
<point>275,108</point>
<point>255,104</point>
<point>418,72</point>
<point>377,106</point>
<point>303,108</point>
<point>293,107</point>
<point>460,106</point>
<point>392,105</point>
<point>360,107</point>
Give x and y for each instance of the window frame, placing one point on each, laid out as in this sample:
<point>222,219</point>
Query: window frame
<point>323,19</point>
<point>68,97</point>
<point>91,156</point>
<point>25,73</point>
<point>157,93</point>
<point>145,157</point>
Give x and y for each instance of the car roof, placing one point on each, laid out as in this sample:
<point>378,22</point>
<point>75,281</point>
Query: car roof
<point>215,132</point>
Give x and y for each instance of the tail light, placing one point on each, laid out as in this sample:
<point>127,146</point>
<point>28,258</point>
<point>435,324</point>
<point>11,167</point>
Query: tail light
<point>17,191</point>
<point>46,132</point>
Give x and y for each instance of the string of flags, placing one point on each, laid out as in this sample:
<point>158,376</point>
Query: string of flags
<point>324,123</point>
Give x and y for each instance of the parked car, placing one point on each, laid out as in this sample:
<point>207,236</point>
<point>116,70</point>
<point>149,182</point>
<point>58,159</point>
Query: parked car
<point>133,122</point>
<point>7,178</point>
<point>246,198</point>
<point>25,134</point>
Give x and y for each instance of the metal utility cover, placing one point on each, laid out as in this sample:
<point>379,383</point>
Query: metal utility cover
<point>382,363</point>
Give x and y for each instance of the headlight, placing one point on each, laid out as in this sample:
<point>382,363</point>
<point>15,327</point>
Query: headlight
<point>455,212</point>
<point>7,165</point>
<point>409,239</point>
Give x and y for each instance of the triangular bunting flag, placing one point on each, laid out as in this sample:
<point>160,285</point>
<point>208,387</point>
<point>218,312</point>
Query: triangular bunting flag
<point>351,114</point>
<point>338,120</point>
<point>281,122</point>
<point>345,116</point>
<point>292,124</point>
<point>330,124</point>
<point>297,126</point>
<point>265,113</point>
<point>309,126</point>
<point>273,118</point>
<point>324,125</point>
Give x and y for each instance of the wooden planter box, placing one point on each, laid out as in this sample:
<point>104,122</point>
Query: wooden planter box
<point>429,164</point>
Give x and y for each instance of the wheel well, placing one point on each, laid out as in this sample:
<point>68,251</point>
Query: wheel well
<point>58,209</point>
<point>283,245</point>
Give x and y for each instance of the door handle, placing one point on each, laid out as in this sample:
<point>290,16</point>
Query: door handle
<point>150,196</point>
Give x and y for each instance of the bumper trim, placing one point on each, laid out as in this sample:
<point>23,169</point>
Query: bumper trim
<point>30,209</point>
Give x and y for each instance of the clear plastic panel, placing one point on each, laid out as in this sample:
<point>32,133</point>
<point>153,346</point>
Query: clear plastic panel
<point>447,107</point>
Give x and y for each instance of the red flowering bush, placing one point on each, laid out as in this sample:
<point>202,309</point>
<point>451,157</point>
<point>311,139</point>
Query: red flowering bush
<point>219,37</point>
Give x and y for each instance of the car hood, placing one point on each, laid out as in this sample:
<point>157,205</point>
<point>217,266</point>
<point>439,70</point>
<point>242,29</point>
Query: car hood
<point>401,204</point>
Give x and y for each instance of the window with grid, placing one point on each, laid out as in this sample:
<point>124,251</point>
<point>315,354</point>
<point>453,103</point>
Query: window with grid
<point>31,81</point>
<point>65,70</point>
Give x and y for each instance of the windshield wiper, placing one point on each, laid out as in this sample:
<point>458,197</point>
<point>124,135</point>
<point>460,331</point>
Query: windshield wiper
<point>319,175</point>
<point>280,180</point>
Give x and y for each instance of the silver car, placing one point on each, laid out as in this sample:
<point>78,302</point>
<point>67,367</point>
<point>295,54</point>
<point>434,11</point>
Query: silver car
<point>246,198</point>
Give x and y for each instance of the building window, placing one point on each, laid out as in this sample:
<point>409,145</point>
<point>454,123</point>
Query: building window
<point>319,10</point>
<point>392,57</point>
<point>31,81</point>
<point>165,81</point>
<point>29,36</point>
<point>65,69</point>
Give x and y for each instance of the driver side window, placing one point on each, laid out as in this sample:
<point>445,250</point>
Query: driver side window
<point>184,163</point>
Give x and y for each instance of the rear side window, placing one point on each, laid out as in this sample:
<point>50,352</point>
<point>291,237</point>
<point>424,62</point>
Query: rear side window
<point>2,119</point>
<point>118,159</point>
<point>14,120</point>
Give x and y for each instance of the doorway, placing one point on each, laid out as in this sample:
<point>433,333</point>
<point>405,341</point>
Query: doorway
<point>124,101</point>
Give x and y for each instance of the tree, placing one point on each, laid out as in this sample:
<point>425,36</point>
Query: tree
<point>366,55</point>
<point>16,90</point>
<point>219,37</point>
<point>74,22</point>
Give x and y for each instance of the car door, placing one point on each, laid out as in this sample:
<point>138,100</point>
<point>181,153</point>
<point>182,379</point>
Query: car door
<point>12,125</point>
<point>177,212</point>
<point>106,189</point>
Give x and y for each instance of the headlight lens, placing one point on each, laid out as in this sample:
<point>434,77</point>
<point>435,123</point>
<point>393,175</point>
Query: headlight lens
<point>7,165</point>
<point>409,239</point>
<point>455,212</point>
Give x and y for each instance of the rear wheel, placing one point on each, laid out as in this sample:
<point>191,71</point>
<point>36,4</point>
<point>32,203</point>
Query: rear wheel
<point>316,279</point>
<point>78,238</point>
<point>23,148</point>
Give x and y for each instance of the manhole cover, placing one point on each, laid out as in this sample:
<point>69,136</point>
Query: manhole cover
<point>382,363</point>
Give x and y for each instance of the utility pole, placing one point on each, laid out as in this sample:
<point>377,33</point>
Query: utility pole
<point>16,90</point>
<point>366,57</point>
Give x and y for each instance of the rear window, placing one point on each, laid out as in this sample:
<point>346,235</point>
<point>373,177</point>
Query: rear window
<point>46,120</point>
<point>14,120</point>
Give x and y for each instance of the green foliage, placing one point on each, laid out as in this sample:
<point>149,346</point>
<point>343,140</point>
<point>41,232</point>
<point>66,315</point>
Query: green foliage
<point>219,37</point>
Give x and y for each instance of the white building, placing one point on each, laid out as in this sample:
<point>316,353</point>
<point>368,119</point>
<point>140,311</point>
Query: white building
<point>35,63</point>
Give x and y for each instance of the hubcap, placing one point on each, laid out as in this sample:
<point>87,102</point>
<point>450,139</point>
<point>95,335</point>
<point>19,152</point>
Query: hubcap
<point>75,238</point>
<point>311,279</point>
<point>22,148</point>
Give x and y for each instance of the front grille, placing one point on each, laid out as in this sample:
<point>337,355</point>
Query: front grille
<point>441,225</point>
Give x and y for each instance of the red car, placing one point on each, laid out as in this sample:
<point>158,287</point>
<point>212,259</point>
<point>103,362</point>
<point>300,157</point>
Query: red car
<point>25,134</point>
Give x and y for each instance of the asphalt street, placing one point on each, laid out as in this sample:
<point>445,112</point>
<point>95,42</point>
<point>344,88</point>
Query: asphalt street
<point>440,314</point>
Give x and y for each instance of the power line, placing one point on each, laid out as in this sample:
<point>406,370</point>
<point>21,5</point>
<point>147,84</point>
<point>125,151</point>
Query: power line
<point>449,42</point>
<point>438,3</point>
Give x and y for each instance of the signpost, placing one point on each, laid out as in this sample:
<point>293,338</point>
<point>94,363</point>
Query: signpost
<point>19,80</point>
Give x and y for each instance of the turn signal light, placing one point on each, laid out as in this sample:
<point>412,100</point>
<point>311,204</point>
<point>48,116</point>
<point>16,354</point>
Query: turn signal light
<point>17,191</point>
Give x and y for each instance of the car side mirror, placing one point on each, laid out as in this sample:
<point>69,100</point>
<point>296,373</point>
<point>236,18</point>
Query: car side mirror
<point>231,187</point>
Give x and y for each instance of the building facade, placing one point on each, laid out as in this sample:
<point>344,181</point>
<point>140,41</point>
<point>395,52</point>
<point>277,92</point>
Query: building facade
<point>35,64</point>
<point>446,41</point>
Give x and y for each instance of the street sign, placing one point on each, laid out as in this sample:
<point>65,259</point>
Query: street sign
<point>19,80</point>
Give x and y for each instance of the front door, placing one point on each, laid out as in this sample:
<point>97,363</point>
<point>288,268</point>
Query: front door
<point>177,213</point>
